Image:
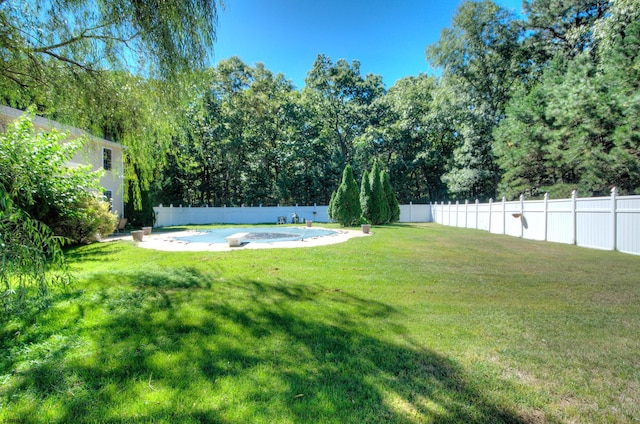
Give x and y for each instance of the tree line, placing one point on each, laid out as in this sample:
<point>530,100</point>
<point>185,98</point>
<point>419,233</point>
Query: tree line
<point>546,101</point>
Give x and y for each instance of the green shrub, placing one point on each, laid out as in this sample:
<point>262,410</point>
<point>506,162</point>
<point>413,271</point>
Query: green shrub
<point>91,221</point>
<point>377,210</point>
<point>43,204</point>
<point>345,204</point>
<point>330,208</point>
<point>379,202</point>
<point>37,180</point>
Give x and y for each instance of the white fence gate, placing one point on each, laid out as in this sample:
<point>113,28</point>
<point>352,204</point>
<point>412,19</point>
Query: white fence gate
<point>609,223</point>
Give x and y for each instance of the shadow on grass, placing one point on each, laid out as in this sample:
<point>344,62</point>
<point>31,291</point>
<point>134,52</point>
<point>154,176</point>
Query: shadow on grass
<point>184,347</point>
<point>97,252</point>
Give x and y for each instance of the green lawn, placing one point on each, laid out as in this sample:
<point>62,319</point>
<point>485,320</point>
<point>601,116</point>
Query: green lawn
<point>417,323</point>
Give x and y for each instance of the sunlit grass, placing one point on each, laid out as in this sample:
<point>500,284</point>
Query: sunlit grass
<point>417,323</point>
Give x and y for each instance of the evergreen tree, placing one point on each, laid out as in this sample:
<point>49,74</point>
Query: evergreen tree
<point>330,208</point>
<point>390,198</point>
<point>365,196</point>
<point>378,210</point>
<point>345,207</point>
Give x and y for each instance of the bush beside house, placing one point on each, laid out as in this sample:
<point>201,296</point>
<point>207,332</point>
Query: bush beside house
<point>37,180</point>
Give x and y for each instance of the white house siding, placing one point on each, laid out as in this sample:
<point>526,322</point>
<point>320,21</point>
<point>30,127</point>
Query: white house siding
<point>91,153</point>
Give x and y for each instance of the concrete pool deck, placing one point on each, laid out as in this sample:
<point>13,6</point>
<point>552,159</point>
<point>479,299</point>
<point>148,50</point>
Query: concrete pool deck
<point>167,241</point>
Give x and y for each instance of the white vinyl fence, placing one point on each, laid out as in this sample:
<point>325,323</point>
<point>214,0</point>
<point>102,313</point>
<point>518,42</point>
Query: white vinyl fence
<point>609,223</point>
<point>171,215</point>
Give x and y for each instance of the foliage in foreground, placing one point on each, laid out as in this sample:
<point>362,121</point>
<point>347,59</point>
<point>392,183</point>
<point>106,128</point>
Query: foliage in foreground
<point>36,178</point>
<point>31,260</point>
<point>440,331</point>
<point>43,204</point>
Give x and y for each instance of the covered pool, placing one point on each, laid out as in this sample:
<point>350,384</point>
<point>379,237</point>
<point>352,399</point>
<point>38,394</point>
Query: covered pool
<point>257,234</point>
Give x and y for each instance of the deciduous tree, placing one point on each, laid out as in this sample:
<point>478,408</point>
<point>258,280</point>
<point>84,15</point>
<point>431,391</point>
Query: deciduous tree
<point>481,59</point>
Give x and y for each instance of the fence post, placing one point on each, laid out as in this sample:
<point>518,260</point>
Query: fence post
<point>522,216</point>
<point>490,212</point>
<point>504,215</point>
<point>546,215</point>
<point>466,213</point>
<point>457,212</point>
<point>574,214</point>
<point>410,211</point>
<point>614,217</point>
<point>477,212</point>
<point>449,212</point>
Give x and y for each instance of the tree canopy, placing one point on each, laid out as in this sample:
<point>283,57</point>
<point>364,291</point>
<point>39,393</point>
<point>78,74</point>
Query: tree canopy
<point>543,102</point>
<point>38,37</point>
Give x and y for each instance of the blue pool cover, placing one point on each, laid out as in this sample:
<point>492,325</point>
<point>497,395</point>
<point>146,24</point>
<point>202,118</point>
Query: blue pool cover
<point>257,234</point>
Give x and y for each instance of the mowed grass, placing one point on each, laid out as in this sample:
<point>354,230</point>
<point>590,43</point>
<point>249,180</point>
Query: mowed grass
<point>415,324</point>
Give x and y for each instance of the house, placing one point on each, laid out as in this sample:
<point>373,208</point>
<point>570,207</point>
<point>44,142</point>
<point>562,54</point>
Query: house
<point>97,152</point>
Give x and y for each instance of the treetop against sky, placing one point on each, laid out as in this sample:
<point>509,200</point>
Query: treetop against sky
<point>388,38</point>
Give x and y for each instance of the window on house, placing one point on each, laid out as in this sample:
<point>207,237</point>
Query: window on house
<point>106,159</point>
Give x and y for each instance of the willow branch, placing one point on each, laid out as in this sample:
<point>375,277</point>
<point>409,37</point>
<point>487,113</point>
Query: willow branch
<point>68,60</point>
<point>85,35</point>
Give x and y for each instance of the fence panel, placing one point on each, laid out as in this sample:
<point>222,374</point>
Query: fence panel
<point>533,220</point>
<point>628,224</point>
<point>560,225</point>
<point>484,216</point>
<point>415,213</point>
<point>594,223</point>
<point>513,219</point>
<point>497,220</point>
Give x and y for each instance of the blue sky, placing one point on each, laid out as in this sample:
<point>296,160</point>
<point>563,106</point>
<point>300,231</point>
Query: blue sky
<point>388,37</point>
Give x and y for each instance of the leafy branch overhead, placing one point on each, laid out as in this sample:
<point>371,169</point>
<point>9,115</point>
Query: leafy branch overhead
<point>156,37</point>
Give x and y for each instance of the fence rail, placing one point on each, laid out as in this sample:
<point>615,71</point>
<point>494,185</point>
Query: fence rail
<point>608,223</point>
